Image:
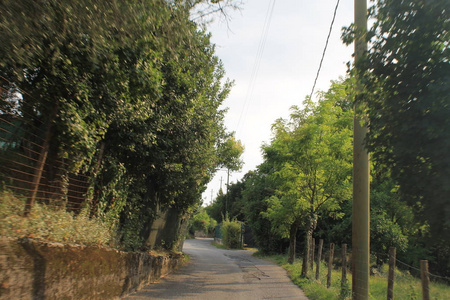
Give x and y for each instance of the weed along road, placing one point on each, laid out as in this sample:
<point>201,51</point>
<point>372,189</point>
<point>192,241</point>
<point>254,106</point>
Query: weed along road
<point>222,274</point>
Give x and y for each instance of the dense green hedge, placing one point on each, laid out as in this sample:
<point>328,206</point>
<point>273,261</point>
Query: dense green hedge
<point>232,234</point>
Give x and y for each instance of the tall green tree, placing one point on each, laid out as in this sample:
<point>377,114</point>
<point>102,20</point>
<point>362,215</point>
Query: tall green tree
<point>408,84</point>
<point>312,155</point>
<point>229,152</point>
<point>202,221</point>
<point>258,188</point>
<point>230,204</point>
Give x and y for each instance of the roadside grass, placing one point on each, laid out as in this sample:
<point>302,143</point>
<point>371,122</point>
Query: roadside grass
<point>405,285</point>
<point>220,246</point>
<point>52,224</point>
<point>186,258</point>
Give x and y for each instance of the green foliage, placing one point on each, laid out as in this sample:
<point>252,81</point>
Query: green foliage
<point>202,221</point>
<point>311,155</point>
<point>391,219</point>
<point>216,209</point>
<point>408,87</point>
<point>134,218</point>
<point>219,246</point>
<point>232,234</point>
<point>257,189</point>
<point>409,83</point>
<point>405,286</point>
<point>392,223</point>
<point>130,93</point>
<point>230,204</point>
<point>229,152</point>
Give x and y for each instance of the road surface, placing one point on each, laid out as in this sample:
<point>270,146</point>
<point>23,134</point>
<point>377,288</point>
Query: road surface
<point>222,274</point>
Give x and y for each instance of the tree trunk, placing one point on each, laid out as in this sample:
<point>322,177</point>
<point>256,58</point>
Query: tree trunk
<point>311,253</point>
<point>292,242</point>
<point>306,254</point>
<point>310,227</point>
<point>41,162</point>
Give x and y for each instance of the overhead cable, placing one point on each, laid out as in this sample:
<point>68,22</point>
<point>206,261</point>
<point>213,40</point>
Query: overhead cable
<point>257,63</point>
<point>325,49</point>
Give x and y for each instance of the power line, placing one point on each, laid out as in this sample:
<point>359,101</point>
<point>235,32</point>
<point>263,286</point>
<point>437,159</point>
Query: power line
<point>325,49</point>
<point>259,54</point>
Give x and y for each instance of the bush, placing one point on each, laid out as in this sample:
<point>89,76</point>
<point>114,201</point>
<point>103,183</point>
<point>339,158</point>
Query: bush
<point>202,221</point>
<point>232,234</point>
<point>52,224</point>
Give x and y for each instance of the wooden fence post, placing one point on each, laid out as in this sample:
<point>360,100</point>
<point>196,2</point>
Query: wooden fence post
<point>319,257</point>
<point>344,269</point>
<point>390,291</point>
<point>424,275</point>
<point>330,265</point>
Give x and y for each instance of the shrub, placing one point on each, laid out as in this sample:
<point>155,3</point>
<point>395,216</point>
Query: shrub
<point>52,224</point>
<point>202,221</point>
<point>232,234</point>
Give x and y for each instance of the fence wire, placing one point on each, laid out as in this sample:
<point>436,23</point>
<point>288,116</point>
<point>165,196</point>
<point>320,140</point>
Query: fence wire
<point>407,278</point>
<point>28,168</point>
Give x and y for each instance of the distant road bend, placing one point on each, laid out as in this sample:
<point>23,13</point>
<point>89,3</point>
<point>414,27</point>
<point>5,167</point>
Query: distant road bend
<point>222,274</point>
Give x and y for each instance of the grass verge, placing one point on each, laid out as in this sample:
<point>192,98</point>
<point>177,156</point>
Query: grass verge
<point>52,224</point>
<point>186,258</point>
<point>219,246</point>
<point>405,286</point>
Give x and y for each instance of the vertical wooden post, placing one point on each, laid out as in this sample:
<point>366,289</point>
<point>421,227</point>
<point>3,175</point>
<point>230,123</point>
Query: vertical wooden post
<point>311,259</point>
<point>319,257</point>
<point>390,291</point>
<point>424,275</point>
<point>330,265</point>
<point>344,268</point>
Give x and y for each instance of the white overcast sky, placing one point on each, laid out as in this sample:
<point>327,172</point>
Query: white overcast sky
<point>288,66</point>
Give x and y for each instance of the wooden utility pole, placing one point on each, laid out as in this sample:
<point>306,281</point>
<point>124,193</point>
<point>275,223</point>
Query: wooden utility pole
<point>361,184</point>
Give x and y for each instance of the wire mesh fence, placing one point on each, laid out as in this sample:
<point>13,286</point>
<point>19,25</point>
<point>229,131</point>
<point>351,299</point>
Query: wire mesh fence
<point>33,165</point>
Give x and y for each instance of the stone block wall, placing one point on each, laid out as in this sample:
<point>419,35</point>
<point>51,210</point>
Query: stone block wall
<point>33,269</point>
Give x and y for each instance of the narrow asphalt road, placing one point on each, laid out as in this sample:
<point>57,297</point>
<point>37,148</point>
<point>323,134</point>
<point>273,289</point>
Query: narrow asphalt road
<point>222,274</point>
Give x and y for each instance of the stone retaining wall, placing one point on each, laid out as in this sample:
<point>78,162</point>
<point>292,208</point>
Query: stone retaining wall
<point>33,269</point>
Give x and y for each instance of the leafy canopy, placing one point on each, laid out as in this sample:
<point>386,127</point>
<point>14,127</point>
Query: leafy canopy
<point>312,161</point>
